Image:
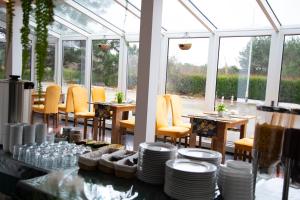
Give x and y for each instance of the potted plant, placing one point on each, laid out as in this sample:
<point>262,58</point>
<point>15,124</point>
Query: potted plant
<point>120,97</point>
<point>221,108</point>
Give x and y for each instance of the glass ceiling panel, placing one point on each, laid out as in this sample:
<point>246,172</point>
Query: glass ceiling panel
<point>62,29</point>
<point>233,14</point>
<point>79,19</point>
<point>175,18</point>
<point>113,13</point>
<point>287,11</point>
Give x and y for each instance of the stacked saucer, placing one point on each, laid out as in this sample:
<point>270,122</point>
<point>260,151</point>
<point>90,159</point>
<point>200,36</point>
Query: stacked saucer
<point>235,180</point>
<point>210,156</point>
<point>152,159</point>
<point>190,179</point>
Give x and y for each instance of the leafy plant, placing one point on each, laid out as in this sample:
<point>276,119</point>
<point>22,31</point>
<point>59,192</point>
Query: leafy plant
<point>221,107</point>
<point>44,16</point>
<point>10,4</point>
<point>25,31</point>
<point>120,97</point>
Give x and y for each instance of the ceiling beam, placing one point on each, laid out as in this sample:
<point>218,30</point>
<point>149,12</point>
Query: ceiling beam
<point>188,5</point>
<point>95,17</point>
<point>270,15</point>
<point>53,33</point>
<point>71,26</point>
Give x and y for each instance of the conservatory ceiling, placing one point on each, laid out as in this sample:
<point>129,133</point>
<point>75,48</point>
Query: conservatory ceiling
<point>120,17</point>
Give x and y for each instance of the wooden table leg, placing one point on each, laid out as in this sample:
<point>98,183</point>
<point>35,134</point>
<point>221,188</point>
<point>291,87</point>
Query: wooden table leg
<point>243,130</point>
<point>219,141</point>
<point>115,129</point>
<point>95,127</point>
<point>193,138</point>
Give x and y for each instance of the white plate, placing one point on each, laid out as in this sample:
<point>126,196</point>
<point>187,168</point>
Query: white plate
<point>191,166</point>
<point>196,153</point>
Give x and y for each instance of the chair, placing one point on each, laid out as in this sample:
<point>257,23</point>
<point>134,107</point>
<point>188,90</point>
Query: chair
<point>162,126</point>
<point>68,106</point>
<point>243,147</point>
<point>98,95</point>
<point>81,107</point>
<point>50,105</point>
<point>176,106</point>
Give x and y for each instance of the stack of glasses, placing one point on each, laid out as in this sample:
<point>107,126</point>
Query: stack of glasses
<point>48,156</point>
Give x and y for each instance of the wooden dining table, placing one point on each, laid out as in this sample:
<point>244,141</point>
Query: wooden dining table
<point>223,124</point>
<point>119,112</point>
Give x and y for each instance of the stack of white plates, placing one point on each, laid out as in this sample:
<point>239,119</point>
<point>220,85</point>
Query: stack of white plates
<point>152,160</point>
<point>235,180</point>
<point>190,179</point>
<point>210,156</point>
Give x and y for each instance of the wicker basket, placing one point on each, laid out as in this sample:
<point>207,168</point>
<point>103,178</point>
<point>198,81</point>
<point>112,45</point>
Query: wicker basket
<point>106,164</point>
<point>125,171</point>
<point>90,160</point>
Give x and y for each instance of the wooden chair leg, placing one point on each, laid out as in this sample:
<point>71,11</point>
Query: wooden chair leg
<point>85,128</point>
<point>53,116</point>
<point>47,119</point>
<point>185,141</point>
<point>103,129</point>
<point>57,119</point>
<point>235,153</point>
<point>100,130</point>
<point>75,121</point>
<point>165,139</point>
<point>67,119</point>
<point>200,141</point>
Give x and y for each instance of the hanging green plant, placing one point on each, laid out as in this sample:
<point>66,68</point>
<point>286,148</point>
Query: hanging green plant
<point>44,16</point>
<point>25,31</point>
<point>10,5</point>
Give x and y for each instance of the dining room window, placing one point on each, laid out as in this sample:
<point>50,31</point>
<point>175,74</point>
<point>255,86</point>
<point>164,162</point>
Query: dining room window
<point>242,72</point>
<point>132,68</point>
<point>49,66</point>
<point>73,71</point>
<point>289,92</point>
<point>186,72</point>
<point>105,65</point>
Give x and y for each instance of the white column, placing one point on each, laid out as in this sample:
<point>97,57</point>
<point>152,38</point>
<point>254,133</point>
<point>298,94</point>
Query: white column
<point>88,65</point>
<point>211,74</point>
<point>163,65</point>
<point>122,69</point>
<point>274,70</point>
<point>59,61</point>
<point>148,68</point>
<point>14,57</point>
<point>33,63</point>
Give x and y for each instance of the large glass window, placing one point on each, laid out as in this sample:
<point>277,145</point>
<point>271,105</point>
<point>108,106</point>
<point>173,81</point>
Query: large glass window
<point>290,73</point>
<point>132,67</point>
<point>73,62</point>
<point>105,65</point>
<point>242,72</point>
<point>50,66</point>
<point>186,72</point>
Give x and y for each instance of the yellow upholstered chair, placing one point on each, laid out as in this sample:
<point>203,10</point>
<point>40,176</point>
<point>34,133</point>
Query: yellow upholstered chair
<point>81,106</point>
<point>176,106</point>
<point>98,94</point>
<point>67,107</point>
<point>162,126</point>
<point>50,106</point>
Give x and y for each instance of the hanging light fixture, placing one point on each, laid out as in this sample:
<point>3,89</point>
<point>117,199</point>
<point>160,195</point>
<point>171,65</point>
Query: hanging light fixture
<point>104,46</point>
<point>186,45</point>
